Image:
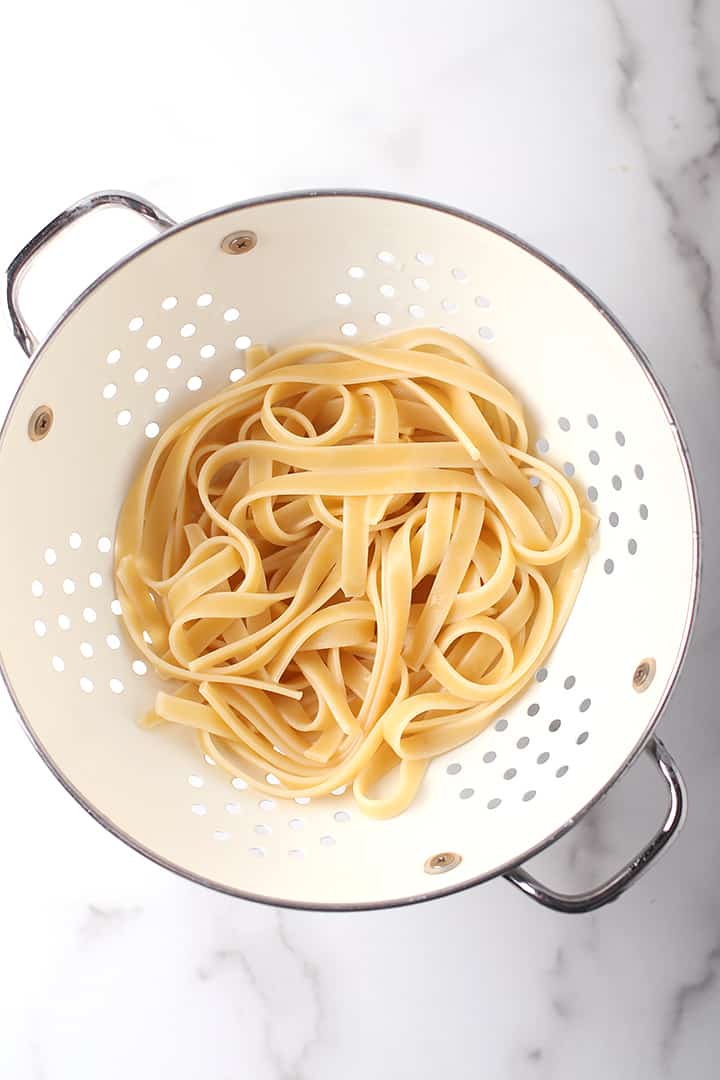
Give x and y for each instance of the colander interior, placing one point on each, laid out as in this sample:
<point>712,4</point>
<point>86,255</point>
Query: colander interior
<point>169,326</point>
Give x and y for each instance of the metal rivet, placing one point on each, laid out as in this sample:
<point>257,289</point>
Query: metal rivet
<point>40,423</point>
<point>643,675</point>
<point>440,864</point>
<point>237,243</point>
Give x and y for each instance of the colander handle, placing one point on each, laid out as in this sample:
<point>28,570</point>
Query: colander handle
<point>611,889</point>
<point>21,263</point>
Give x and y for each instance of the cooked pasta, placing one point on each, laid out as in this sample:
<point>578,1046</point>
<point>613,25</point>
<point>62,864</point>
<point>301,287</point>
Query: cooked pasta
<point>347,563</point>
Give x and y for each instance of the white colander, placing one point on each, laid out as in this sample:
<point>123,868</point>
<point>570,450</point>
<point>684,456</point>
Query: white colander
<point>169,325</point>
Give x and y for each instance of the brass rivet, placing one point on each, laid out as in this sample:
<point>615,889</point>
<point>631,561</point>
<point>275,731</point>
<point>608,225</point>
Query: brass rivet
<point>643,675</point>
<point>440,864</point>
<point>40,423</point>
<point>237,243</point>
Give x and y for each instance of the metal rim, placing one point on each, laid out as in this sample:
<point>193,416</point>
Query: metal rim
<point>691,487</point>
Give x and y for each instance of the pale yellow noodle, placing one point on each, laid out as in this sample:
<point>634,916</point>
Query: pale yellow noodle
<point>342,562</point>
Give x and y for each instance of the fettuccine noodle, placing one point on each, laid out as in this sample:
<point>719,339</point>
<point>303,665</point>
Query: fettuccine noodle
<point>348,563</point>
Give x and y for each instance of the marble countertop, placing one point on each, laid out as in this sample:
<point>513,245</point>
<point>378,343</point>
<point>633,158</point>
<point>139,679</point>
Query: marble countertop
<point>593,131</point>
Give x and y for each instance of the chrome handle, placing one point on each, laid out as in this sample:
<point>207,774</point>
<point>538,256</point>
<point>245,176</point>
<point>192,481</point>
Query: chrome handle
<point>21,263</point>
<point>611,889</point>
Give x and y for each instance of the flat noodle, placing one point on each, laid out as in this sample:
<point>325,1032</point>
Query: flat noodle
<point>344,564</point>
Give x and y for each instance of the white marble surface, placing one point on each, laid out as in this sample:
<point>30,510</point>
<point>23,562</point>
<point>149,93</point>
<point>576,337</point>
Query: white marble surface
<point>593,130</point>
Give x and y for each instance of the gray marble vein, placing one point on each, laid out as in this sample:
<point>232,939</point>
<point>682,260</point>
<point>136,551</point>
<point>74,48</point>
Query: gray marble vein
<point>687,995</point>
<point>680,186</point>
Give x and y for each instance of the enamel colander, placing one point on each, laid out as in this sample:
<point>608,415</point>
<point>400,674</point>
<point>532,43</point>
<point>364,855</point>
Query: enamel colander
<point>168,325</point>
